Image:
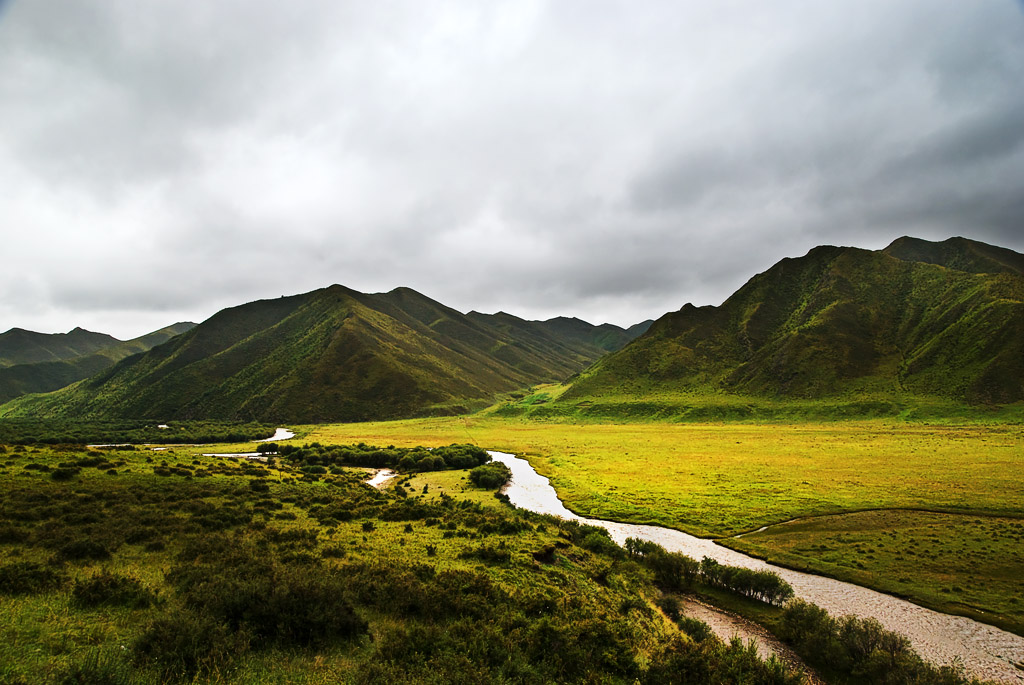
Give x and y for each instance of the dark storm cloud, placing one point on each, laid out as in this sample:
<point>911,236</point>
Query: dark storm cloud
<point>608,160</point>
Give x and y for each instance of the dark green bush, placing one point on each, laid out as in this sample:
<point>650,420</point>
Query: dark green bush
<point>83,550</point>
<point>491,476</point>
<point>184,644</point>
<point>28,577</point>
<point>110,589</point>
<point>65,472</point>
<point>861,648</point>
<point>488,554</point>
<point>276,603</point>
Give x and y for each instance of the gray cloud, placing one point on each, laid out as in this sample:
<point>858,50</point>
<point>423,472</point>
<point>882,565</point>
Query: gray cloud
<point>609,160</point>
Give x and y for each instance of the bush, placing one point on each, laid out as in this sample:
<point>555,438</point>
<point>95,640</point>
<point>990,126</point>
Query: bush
<point>487,554</point>
<point>274,603</point>
<point>861,648</point>
<point>28,577</point>
<point>110,589</point>
<point>490,476</point>
<point>65,473</point>
<point>83,550</point>
<point>698,630</point>
<point>599,542</point>
<point>184,644</point>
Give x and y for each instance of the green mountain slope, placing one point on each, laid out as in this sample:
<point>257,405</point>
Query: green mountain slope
<point>329,355</point>
<point>958,253</point>
<point>45,376</point>
<point>18,346</point>
<point>841,322</point>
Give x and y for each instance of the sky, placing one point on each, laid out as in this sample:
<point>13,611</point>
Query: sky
<point>163,159</point>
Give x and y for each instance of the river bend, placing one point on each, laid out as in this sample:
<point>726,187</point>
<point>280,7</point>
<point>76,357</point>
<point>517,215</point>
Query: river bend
<point>985,651</point>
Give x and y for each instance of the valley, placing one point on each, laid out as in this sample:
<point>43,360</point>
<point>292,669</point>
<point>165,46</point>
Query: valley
<point>848,423</point>
<point>721,480</point>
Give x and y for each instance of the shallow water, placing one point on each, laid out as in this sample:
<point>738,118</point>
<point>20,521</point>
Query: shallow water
<point>380,478</point>
<point>985,651</point>
<point>279,434</point>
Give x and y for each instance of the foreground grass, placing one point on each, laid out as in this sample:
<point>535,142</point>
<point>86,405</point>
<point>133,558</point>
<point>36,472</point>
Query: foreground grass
<point>216,570</point>
<point>959,564</point>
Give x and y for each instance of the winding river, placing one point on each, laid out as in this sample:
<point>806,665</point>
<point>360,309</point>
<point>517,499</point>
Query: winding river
<point>985,651</point>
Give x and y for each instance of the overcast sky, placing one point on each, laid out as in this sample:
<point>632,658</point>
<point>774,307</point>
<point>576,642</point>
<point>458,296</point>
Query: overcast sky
<point>161,160</point>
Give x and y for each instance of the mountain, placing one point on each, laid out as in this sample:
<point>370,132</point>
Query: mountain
<point>97,352</point>
<point>18,346</point>
<point>331,355</point>
<point>960,254</point>
<point>915,319</point>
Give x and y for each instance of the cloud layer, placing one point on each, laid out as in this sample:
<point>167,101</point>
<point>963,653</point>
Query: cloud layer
<point>610,160</point>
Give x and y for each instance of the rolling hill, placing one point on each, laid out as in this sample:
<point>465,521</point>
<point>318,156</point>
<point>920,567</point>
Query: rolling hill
<point>40,362</point>
<point>331,355</point>
<point>914,319</point>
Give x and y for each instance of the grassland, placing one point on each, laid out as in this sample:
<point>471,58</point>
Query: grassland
<point>126,566</point>
<point>959,564</point>
<point>719,480</point>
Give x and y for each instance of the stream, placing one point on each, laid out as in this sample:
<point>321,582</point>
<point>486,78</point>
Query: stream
<point>985,651</point>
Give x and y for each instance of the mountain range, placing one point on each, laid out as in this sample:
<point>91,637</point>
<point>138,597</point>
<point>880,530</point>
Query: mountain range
<point>334,354</point>
<point>33,362</point>
<point>917,318</point>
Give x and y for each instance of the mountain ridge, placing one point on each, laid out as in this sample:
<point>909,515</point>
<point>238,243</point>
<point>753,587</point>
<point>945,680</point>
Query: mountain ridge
<point>842,321</point>
<point>333,354</point>
<point>45,376</point>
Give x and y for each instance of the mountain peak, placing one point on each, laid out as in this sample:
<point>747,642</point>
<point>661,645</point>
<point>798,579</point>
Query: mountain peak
<point>958,253</point>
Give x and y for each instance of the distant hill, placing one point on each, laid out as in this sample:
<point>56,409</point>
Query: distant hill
<point>332,355</point>
<point>18,346</point>
<point>71,357</point>
<point>915,319</point>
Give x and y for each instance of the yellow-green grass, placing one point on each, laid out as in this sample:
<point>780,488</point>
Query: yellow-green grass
<point>961,564</point>
<point>717,480</point>
<point>722,479</point>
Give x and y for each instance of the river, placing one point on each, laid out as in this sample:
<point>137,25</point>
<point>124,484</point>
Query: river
<point>985,651</point>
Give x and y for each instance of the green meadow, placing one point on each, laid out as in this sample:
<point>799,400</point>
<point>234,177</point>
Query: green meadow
<point>955,563</point>
<point>720,480</point>
<point>132,566</point>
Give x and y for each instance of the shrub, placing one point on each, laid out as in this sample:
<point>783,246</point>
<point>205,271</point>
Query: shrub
<point>698,630</point>
<point>487,554</point>
<point>82,550</point>
<point>111,589</point>
<point>601,543</point>
<point>273,602</point>
<point>184,644</point>
<point>65,473</point>
<point>28,577</point>
<point>491,476</point>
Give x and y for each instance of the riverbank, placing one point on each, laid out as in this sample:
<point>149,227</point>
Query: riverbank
<point>985,651</point>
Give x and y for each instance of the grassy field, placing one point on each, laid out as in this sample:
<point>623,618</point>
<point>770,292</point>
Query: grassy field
<point>131,566</point>
<point>959,564</point>
<point>717,480</point>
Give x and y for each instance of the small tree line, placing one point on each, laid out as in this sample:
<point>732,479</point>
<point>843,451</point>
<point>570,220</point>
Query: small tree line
<point>860,648</point>
<point>407,459</point>
<point>676,571</point>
